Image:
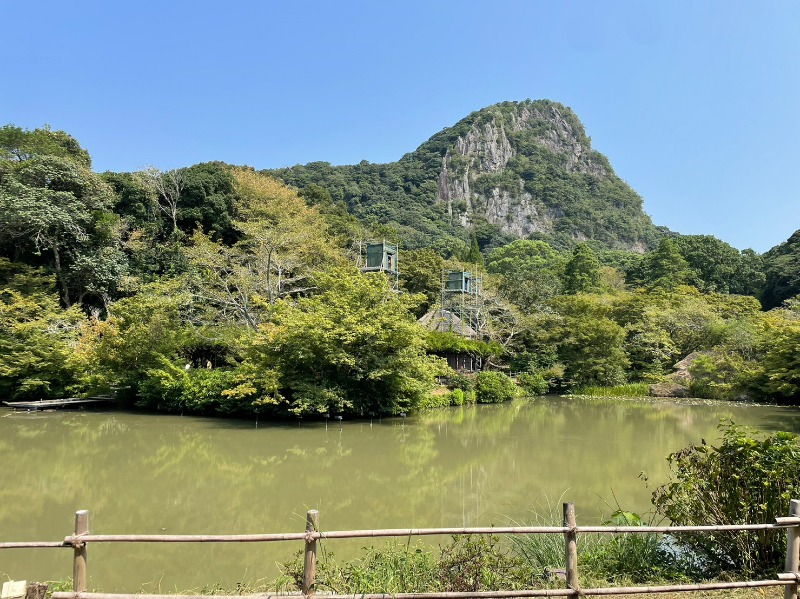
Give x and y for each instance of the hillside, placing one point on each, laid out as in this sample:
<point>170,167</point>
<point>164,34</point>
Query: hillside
<point>511,170</point>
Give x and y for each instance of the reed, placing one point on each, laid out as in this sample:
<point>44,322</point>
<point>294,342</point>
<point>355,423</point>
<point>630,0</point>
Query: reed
<point>630,390</point>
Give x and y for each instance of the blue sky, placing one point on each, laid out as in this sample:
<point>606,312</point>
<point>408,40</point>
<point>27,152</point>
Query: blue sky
<point>696,103</point>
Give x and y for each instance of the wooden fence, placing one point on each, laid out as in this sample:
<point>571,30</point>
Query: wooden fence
<point>81,538</point>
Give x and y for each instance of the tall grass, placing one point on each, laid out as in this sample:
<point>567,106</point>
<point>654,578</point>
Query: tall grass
<point>631,390</point>
<point>609,558</point>
<point>392,568</point>
<point>545,552</point>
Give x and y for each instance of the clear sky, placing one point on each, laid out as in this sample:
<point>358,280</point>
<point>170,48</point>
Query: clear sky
<point>695,102</point>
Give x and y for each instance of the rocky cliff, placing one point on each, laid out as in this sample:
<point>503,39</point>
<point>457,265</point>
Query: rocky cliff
<point>490,172</point>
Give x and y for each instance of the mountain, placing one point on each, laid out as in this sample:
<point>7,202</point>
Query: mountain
<point>511,170</point>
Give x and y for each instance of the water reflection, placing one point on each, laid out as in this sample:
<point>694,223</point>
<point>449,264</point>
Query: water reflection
<point>474,465</point>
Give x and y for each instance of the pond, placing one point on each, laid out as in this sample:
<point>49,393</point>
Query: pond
<point>469,466</point>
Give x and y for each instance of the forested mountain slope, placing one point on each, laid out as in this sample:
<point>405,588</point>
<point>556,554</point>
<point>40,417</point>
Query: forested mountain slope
<point>512,170</point>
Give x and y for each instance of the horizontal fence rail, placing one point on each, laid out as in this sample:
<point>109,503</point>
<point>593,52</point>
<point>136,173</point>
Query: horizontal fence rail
<point>81,538</point>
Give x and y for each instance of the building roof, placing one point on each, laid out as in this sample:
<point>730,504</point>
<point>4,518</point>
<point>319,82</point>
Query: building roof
<point>444,321</point>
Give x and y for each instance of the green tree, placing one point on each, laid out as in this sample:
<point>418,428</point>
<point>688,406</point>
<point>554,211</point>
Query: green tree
<point>474,255</point>
<point>716,266</point>
<point>37,338</point>
<point>590,344</point>
<point>353,347</point>
<point>145,333</point>
<point>56,205</point>
<point>282,241</point>
<point>17,144</point>
<point>781,358</point>
<point>582,271</point>
<point>782,265</point>
<point>665,267</point>
<point>421,272</point>
<point>529,272</point>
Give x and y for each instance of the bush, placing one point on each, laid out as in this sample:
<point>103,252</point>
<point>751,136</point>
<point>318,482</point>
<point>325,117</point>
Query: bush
<point>749,478</point>
<point>494,387</point>
<point>457,397</point>
<point>460,381</point>
<point>197,391</point>
<point>475,563</point>
<point>533,384</point>
<point>433,401</point>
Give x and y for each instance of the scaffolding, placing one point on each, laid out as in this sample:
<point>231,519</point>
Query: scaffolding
<point>381,256</point>
<point>462,310</point>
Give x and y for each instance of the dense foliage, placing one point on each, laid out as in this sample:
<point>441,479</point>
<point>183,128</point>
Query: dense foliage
<point>217,289</point>
<point>749,478</point>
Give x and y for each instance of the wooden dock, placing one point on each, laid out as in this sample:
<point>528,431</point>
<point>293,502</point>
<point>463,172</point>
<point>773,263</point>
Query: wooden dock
<point>54,404</point>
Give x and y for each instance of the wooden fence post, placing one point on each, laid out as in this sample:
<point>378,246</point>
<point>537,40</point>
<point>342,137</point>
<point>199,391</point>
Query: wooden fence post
<point>571,547</point>
<point>792,550</point>
<point>79,576</point>
<point>310,562</point>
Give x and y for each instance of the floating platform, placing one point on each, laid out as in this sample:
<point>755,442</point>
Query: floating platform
<point>53,404</point>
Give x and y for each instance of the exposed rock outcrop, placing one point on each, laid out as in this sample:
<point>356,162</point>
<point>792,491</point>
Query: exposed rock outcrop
<point>677,383</point>
<point>475,179</point>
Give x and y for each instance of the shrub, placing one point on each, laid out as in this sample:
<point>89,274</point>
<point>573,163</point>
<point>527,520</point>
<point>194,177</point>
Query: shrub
<point>494,387</point>
<point>433,401</point>
<point>457,397</point>
<point>749,478</point>
<point>198,391</point>
<point>533,384</point>
<point>474,563</point>
<point>466,564</point>
<point>460,381</point>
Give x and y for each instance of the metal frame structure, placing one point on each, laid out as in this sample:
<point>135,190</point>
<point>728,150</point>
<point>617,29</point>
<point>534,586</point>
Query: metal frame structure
<point>381,256</point>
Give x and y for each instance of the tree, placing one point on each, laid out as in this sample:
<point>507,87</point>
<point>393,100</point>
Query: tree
<point>282,241</point>
<point>57,205</point>
<point>143,334</point>
<point>37,339</point>
<point>474,255</point>
<point>665,267</point>
<point>589,342</point>
<point>716,266</point>
<point>781,358</point>
<point>529,272</point>
<point>582,271</point>
<point>17,144</point>
<point>782,265</point>
<point>209,200</point>
<point>353,347</point>
<point>421,272</point>
<point>166,189</point>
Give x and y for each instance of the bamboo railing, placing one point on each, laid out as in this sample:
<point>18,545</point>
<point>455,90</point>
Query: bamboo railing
<point>81,538</point>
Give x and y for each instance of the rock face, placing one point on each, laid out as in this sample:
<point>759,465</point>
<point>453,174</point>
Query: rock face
<point>677,383</point>
<point>502,169</point>
<point>668,389</point>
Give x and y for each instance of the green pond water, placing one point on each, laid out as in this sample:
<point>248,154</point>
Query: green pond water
<point>471,466</point>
